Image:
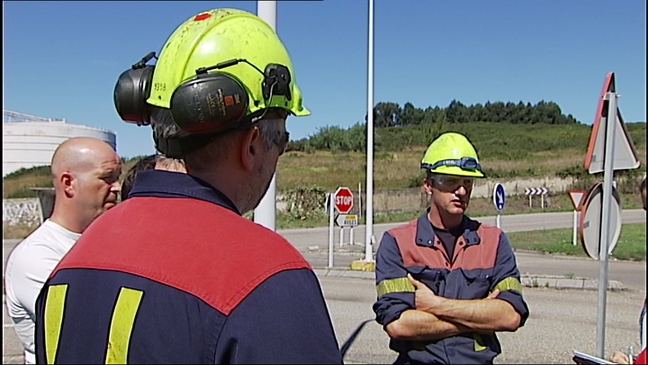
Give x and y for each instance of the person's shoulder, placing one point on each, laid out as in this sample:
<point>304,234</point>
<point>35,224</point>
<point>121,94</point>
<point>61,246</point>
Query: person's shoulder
<point>476,225</point>
<point>411,225</point>
<point>39,240</point>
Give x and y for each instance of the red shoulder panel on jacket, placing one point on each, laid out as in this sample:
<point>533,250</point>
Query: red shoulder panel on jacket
<point>221,260</point>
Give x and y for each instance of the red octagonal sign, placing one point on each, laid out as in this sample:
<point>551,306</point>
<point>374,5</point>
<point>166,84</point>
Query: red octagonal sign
<point>343,200</point>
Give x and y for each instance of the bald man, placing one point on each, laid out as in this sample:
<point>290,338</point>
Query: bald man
<point>85,173</point>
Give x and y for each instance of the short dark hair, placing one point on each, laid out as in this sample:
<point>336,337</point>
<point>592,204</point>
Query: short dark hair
<point>145,163</point>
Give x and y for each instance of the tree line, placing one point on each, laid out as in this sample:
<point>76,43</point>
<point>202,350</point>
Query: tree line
<point>389,114</point>
<point>428,122</point>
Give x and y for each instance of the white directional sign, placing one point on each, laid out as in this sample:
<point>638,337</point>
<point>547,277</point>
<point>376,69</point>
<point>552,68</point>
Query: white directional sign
<point>347,220</point>
<point>536,191</point>
<point>590,221</point>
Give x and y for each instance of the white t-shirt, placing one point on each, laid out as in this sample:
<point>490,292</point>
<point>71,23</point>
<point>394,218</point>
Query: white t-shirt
<point>28,267</point>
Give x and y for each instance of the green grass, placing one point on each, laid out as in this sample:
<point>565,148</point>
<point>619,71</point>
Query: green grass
<point>631,244</point>
<point>505,150</point>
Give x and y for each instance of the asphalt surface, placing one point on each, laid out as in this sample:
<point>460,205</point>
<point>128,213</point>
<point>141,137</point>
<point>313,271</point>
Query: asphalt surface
<point>561,320</point>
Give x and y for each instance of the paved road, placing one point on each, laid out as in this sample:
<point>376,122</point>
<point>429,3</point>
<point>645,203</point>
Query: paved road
<point>313,243</point>
<point>561,320</point>
<point>510,223</point>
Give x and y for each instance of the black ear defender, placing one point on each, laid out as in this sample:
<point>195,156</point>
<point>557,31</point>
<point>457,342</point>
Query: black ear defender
<point>131,91</point>
<point>210,102</point>
<point>217,102</point>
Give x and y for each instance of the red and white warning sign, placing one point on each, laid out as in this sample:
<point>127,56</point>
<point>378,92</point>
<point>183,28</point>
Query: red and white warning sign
<point>577,198</point>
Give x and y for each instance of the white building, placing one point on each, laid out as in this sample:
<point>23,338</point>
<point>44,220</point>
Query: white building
<point>29,141</point>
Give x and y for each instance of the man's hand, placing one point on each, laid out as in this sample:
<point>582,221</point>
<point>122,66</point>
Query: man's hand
<point>493,294</point>
<point>425,298</point>
<point>427,301</point>
<point>620,358</point>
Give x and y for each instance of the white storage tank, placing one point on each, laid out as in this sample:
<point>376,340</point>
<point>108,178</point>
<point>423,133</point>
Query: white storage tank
<point>29,141</point>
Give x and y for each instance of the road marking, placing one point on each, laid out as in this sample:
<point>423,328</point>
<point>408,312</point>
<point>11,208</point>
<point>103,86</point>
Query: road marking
<point>7,325</point>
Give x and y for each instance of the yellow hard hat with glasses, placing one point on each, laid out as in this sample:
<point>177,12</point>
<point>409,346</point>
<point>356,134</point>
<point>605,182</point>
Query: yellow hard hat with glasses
<point>452,154</point>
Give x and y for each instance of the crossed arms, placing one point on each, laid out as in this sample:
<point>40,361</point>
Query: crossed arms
<point>417,313</point>
<point>436,317</point>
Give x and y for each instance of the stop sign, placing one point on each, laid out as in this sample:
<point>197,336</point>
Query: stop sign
<point>343,200</point>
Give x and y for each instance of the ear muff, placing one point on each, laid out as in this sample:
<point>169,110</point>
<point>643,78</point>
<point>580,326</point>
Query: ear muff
<point>209,103</point>
<point>131,91</point>
<point>217,102</point>
<point>205,104</point>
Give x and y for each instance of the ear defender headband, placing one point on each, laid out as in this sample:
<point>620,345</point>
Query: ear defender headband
<point>208,103</point>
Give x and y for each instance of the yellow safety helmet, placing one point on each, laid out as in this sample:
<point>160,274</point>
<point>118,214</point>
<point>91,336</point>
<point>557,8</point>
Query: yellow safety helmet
<point>452,154</point>
<point>215,70</point>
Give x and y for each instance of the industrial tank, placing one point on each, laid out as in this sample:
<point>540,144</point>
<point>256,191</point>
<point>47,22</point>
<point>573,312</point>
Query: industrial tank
<point>29,140</point>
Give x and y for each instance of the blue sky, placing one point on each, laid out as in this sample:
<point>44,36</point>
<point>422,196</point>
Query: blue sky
<point>61,59</point>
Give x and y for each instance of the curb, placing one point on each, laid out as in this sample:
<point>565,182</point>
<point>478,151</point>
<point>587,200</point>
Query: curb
<point>527,280</point>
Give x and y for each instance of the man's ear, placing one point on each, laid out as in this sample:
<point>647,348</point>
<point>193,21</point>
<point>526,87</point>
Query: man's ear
<point>427,185</point>
<point>250,149</point>
<point>67,181</point>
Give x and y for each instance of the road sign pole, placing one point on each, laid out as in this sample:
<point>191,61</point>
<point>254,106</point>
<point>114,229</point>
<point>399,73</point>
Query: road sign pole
<point>331,213</point>
<point>370,137</point>
<point>359,204</point>
<point>498,220</point>
<point>341,236</point>
<point>604,237</point>
<point>351,234</point>
<point>575,236</point>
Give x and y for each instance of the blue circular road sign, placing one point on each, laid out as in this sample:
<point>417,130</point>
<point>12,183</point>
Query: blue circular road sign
<point>499,197</point>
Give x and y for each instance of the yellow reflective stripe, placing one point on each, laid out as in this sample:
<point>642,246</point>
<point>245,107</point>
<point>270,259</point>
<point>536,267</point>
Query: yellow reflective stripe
<point>480,344</point>
<point>398,285</point>
<point>509,283</point>
<point>121,326</point>
<point>54,307</point>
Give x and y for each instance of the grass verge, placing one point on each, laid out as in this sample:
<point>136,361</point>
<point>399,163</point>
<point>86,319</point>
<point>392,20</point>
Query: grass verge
<point>631,244</point>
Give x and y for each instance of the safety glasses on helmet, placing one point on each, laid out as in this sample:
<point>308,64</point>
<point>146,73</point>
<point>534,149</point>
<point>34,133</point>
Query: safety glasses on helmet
<point>466,163</point>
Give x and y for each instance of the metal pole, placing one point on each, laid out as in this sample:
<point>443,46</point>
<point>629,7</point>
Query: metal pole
<point>359,203</point>
<point>370,136</point>
<point>341,236</point>
<point>575,237</point>
<point>330,247</point>
<point>351,236</point>
<point>266,212</point>
<point>498,220</point>
<point>604,238</point>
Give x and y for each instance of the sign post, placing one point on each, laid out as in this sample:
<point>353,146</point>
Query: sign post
<point>343,198</point>
<point>331,215</point>
<point>576,196</point>
<point>610,148</point>
<point>499,200</point>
